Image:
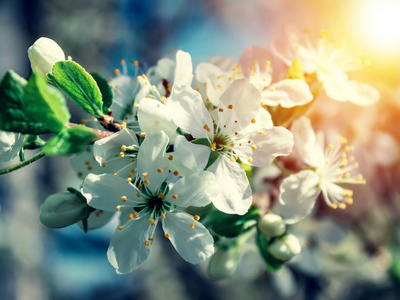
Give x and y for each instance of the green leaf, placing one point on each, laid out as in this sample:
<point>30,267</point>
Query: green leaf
<point>12,116</point>
<point>105,90</point>
<point>272,263</point>
<point>68,141</point>
<point>43,103</point>
<point>228,225</point>
<point>295,71</point>
<point>78,85</point>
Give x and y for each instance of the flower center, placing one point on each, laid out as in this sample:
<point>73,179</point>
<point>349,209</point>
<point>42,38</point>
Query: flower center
<point>155,203</point>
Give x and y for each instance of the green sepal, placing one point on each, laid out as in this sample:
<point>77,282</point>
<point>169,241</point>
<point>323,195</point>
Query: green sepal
<point>229,225</point>
<point>78,85</point>
<point>295,71</point>
<point>272,263</point>
<point>248,169</point>
<point>105,90</point>
<point>33,142</point>
<point>69,141</point>
<point>12,116</point>
<point>43,103</point>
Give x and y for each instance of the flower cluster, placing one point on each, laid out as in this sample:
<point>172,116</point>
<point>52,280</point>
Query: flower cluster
<point>175,146</point>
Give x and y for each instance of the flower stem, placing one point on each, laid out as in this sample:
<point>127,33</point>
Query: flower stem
<point>22,164</point>
<point>284,171</point>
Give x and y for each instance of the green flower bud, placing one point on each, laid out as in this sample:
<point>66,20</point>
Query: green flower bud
<point>223,263</point>
<point>61,210</point>
<point>43,54</point>
<point>285,248</point>
<point>272,225</point>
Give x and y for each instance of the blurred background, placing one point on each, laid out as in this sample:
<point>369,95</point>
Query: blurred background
<point>352,254</point>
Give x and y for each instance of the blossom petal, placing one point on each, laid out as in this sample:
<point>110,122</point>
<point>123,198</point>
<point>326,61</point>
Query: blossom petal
<point>235,191</point>
<point>197,189</point>
<point>190,113</point>
<point>194,243</point>
<point>106,191</point>
<point>212,80</point>
<point>124,90</point>
<point>10,144</point>
<point>363,94</point>
<point>127,250</point>
<point>226,64</point>
<point>153,160</point>
<point>287,93</point>
<point>298,194</point>
<point>192,156</point>
<point>251,54</point>
<point>184,69</point>
<point>106,149</point>
<point>155,116</point>
<point>265,145</point>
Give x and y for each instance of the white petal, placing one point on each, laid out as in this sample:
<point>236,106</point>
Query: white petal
<point>298,194</point>
<point>287,93</point>
<point>192,156</point>
<point>190,113</point>
<point>110,147</point>
<point>83,163</point>
<point>335,84</point>
<point>235,191</point>
<point>127,250</point>
<point>197,189</point>
<point>363,94</point>
<point>10,144</point>
<point>306,143</point>
<point>184,69</point>
<point>240,104</point>
<point>124,90</point>
<point>153,160</point>
<point>155,116</point>
<point>207,76</point>
<point>226,64</point>
<point>195,244</point>
<point>251,54</point>
<point>272,142</point>
<point>105,192</point>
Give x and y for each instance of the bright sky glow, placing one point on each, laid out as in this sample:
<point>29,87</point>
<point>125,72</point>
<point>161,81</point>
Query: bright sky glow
<point>380,23</point>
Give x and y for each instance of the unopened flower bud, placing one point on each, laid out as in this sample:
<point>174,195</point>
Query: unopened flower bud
<point>272,225</point>
<point>223,263</point>
<point>43,54</point>
<point>285,248</point>
<point>62,209</point>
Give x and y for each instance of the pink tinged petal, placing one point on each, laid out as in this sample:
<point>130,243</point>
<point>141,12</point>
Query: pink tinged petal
<point>251,54</point>
<point>107,192</point>
<point>226,64</point>
<point>184,69</point>
<point>128,250</point>
<point>306,143</point>
<point>190,238</point>
<point>298,195</point>
<point>240,105</point>
<point>189,112</point>
<point>155,116</point>
<point>198,189</point>
<point>235,192</point>
<point>262,147</point>
<point>110,147</point>
<point>153,160</point>
<point>287,93</point>
<point>192,156</point>
<point>363,94</point>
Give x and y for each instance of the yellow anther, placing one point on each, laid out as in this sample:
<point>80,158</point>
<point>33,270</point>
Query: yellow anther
<point>129,180</point>
<point>145,175</point>
<point>344,155</point>
<point>132,160</point>
<point>218,77</point>
<point>250,160</point>
<point>163,216</point>
<point>206,128</point>
<point>350,201</point>
<point>136,63</point>
<point>219,86</point>
<point>355,165</point>
<point>163,99</point>
<point>272,89</point>
<point>146,181</point>
<point>123,198</point>
<point>161,195</point>
<point>205,83</point>
<point>120,227</point>
<point>123,148</point>
<point>170,157</point>
<point>176,173</point>
<point>166,235</point>
<point>103,164</point>
<point>130,216</point>
<point>330,146</point>
<point>214,145</point>
<point>153,88</point>
<point>196,218</point>
<point>347,175</point>
<point>251,68</point>
<point>151,239</point>
<point>138,78</point>
<point>192,225</point>
<point>232,159</point>
<point>267,63</point>
<point>138,195</point>
<point>174,196</point>
<point>198,89</point>
<point>154,223</point>
<point>116,72</point>
<point>230,78</point>
<point>135,214</point>
<point>253,121</point>
<point>147,243</point>
<point>143,76</point>
<point>334,206</point>
<point>360,177</point>
<point>143,134</point>
<point>220,110</point>
<point>230,106</point>
<point>159,170</point>
<point>351,159</point>
<point>255,62</point>
<point>254,147</point>
<point>122,154</point>
<point>133,170</point>
<point>118,207</point>
<point>136,105</point>
<point>342,205</point>
<point>343,163</point>
<point>115,174</point>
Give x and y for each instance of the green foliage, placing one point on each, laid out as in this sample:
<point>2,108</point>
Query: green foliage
<point>31,107</point>
<point>105,90</point>
<point>44,104</point>
<point>272,263</point>
<point>228,225</point>
<point>78,85</point>
<point>69,141</point>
